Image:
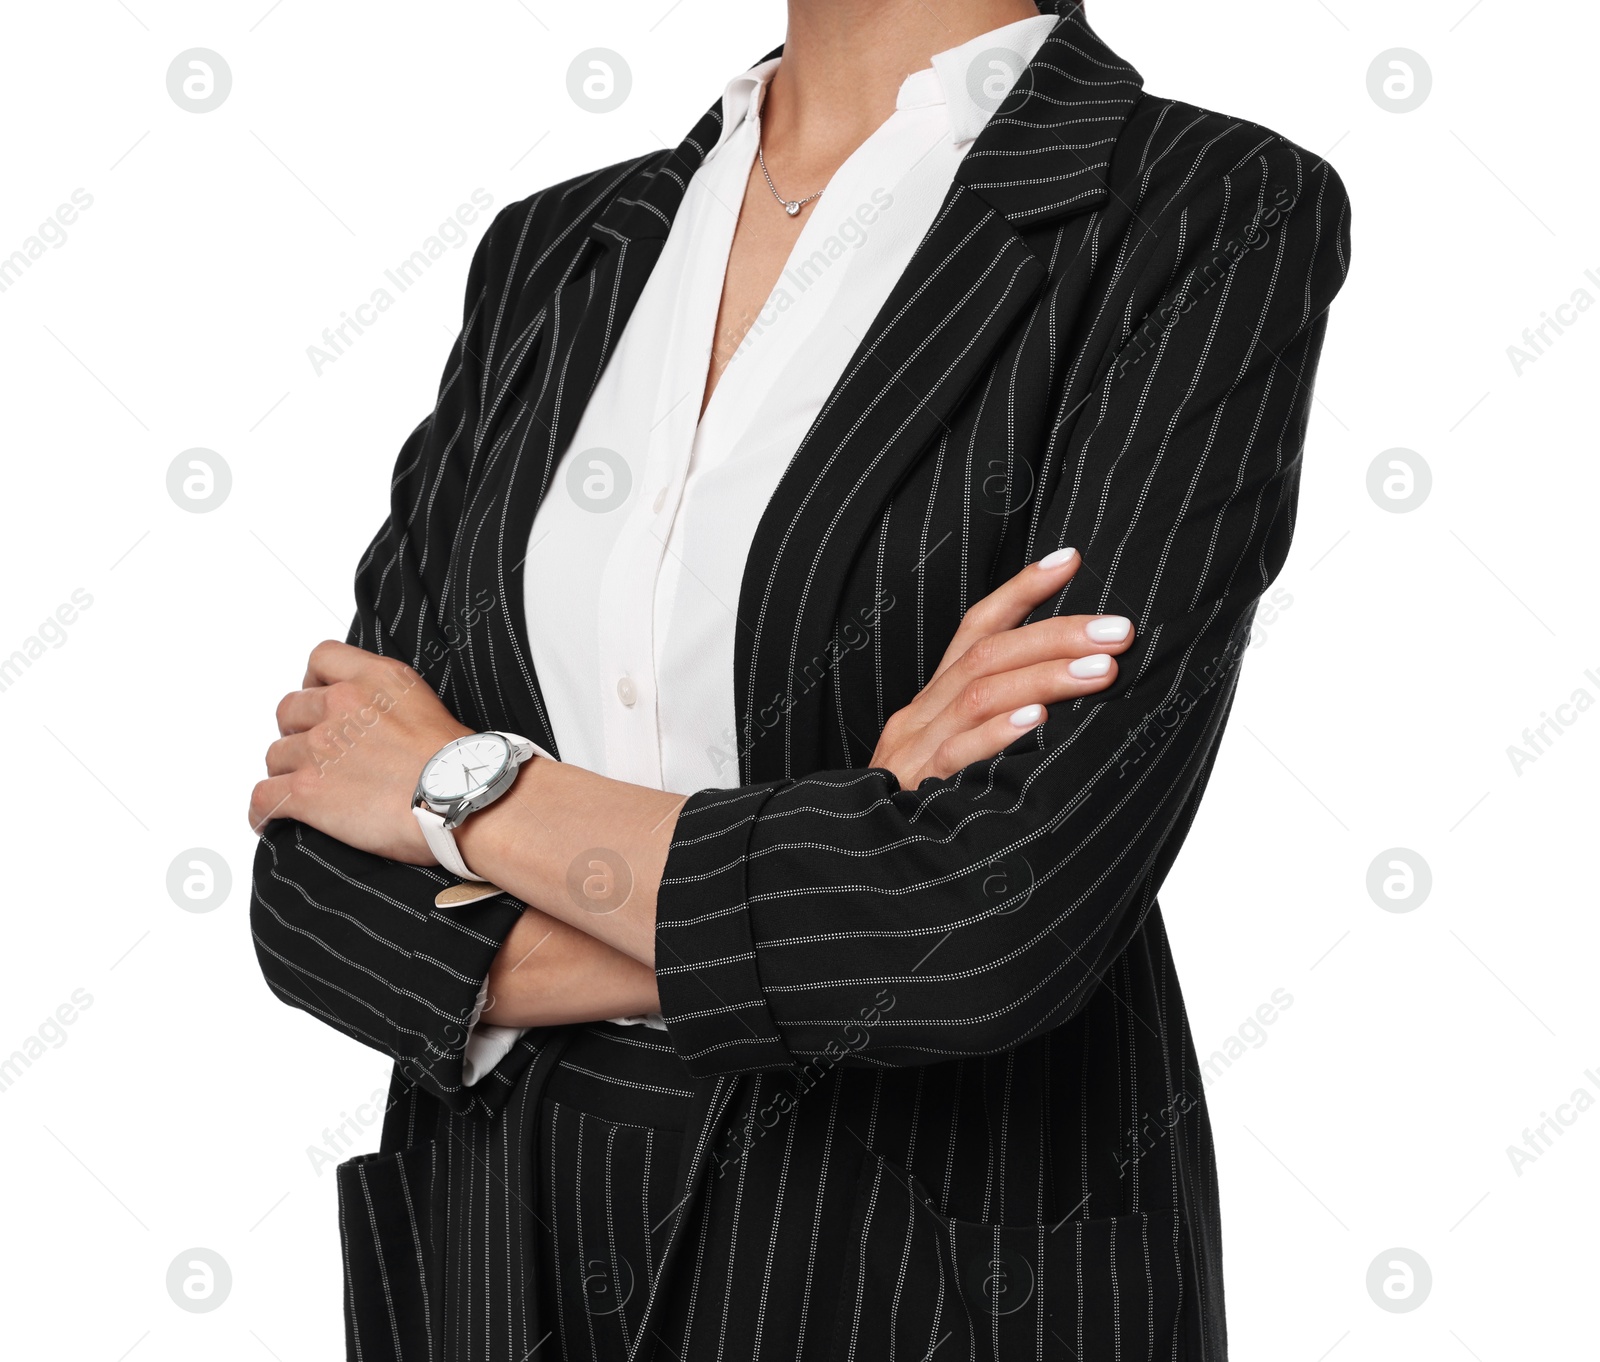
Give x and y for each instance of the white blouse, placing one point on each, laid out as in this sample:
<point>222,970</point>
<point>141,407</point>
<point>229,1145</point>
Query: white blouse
<point>638,549</point>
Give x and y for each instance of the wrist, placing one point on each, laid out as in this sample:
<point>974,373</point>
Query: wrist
<point>486,838</point>
<point>459,784</point>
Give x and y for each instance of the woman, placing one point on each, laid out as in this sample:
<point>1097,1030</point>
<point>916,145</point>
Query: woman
<point>867,500</point>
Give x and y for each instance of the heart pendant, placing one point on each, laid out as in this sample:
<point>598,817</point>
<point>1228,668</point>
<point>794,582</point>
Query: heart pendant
<point>791,208</point>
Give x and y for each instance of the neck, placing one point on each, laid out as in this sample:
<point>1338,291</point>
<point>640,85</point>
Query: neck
<point>844,60</point>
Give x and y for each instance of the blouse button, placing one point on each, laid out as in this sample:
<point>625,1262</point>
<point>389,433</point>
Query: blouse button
<point>626,692</point>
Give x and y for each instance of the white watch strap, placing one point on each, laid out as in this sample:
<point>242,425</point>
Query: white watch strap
<point>442,842</point>
<point>525,748</point>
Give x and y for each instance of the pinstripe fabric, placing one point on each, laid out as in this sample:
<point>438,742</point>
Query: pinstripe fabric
<point>944,1095</point>
<point>613,1119</point>
<point>607,1184</point>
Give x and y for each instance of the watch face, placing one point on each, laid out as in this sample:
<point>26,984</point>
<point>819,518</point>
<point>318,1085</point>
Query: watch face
<point>465,767</point>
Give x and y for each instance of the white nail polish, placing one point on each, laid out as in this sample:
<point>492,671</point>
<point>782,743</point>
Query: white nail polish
<point>1087,668</point>
<point>1060,558</point>
<point>1108,629</point>
<point>1027,716</point>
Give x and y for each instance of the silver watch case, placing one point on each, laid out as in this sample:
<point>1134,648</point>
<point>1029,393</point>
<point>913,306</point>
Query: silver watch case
<point>456,811</point>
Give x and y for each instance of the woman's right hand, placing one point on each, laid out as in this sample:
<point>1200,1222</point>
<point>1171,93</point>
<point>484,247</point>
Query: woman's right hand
<point>998,675</point>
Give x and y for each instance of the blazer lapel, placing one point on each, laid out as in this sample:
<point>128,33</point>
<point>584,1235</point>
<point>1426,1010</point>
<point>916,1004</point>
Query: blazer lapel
<point>581,324</point>
<point>970,281</point>
<point>1041,158</point>
<point>538,376</point>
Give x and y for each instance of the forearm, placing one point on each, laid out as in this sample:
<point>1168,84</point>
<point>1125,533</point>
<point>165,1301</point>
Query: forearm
<point>585,850</point>
<point>551,974</point>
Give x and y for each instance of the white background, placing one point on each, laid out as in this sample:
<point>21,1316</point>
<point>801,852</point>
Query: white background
<point>178,1108</point>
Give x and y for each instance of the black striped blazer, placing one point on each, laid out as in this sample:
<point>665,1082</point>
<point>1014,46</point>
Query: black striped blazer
<point>947,1103</point>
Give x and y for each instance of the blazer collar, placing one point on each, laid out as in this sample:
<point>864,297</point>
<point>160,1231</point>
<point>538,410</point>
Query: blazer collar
<point>1073,97</point>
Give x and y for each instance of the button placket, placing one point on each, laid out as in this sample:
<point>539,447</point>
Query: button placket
<point>633,726</point>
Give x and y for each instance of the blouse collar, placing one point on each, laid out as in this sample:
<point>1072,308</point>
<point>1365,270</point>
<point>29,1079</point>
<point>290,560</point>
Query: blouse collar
<point>970,81</point>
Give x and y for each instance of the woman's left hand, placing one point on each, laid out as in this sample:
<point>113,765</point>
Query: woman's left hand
<point>355,740</point>
<point>999,673</point>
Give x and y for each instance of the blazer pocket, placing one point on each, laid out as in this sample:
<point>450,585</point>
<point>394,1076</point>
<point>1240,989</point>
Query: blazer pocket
<point>917,1284</point>
<point>392,1228</point>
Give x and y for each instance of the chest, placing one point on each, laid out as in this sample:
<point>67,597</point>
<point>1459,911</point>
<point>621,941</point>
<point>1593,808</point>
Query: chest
<point>914,435</point>
<point>763,241</point>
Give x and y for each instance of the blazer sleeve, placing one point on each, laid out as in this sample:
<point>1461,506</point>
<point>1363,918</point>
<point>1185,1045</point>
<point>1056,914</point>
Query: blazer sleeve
<point>355,939</point>
<point>841,916</point>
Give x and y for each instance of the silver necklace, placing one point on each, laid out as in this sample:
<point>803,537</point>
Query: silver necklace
<point>790,206</point>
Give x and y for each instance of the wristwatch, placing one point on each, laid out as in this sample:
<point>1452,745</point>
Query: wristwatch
<point>462,777</point>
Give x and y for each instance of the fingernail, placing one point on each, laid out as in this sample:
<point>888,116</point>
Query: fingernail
<point>1109,629</point>
<point>1060,558</point>
<point>1027,716</point>
<point>1086,668</point>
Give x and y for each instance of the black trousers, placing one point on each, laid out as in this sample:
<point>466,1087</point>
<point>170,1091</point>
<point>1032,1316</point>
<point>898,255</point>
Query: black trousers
<point>612,1122</point>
